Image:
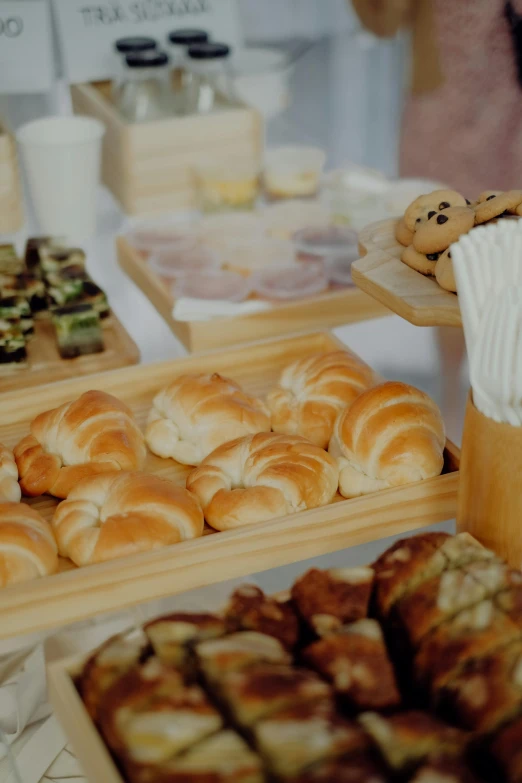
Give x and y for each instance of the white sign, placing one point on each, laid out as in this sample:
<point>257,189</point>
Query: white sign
<point>26,53</point>
<point>87,29</point>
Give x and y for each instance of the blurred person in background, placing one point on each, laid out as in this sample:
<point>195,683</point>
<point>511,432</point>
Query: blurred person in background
<point>462,122</point>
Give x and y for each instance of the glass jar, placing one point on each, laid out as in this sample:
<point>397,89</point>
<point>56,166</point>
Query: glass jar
<point>207,66</point>
<point>123,47</point>
<point>178,42</point>
<point>146,92</point>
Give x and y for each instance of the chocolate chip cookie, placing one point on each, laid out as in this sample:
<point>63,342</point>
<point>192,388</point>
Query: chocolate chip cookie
<point>425,264</point>
<point>444,273</point>
<point>437,233</point>
<point>403,235</point>
<point>496,205</point>
<point>420,209</point>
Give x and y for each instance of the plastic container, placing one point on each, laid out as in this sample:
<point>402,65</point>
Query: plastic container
<point>291,282</point>
<point>259,77</point>
<point>220,285</point>
<point>282,219</point>
<point>172,232</point>
<point>145,93</point>
<point>207,72</point>
<point>317,243</point>
<point>248,255</point>
<point>182,261</point>
<point>293,172</point>
<point>228,185</point>
<point>339,268</point>
<point>219,230</point>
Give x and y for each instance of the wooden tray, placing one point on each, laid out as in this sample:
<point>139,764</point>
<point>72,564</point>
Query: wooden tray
<point>333,308</point>
<point>77,593</point>
<point>381,273</point>
<point>45,365</point>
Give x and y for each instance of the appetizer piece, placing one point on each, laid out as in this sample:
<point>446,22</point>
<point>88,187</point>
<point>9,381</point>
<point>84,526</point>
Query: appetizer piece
<point>496,577</point>
<point>293,739</point>
<point>27,546</point>
<point>94,434</point>
<point>33,249</point>
<point>409,738</point>
<point>197,413</point>
<point>12,344</point>
<point>249,609</point>
<point>131,513</point>
<point>221,758</point>
<point>108,663</point>
<point>262,477</point>
<point>463,549</point>
<point>236,651</point>
<point>314,390</point>
<point>78,330</point>
<point>9,487</point>
<point>510,602</point>
<point>506,749</point>
<point>358,768</point>
<point>392,435</point>
<point>487,692</point>
<point>404,566</point>
<point>149,715</point>
<point>329,599</point>
<point>444,770</point>
<point>65,286</point>
<point>92,294</point>
<point>10,264</point>
<point>31,288</point>
<point>356,662</point>
<point>263,689</point>
<point>54,259</point>
<point>16,310</point>
<point>471,634</point>
<point>173,636</point>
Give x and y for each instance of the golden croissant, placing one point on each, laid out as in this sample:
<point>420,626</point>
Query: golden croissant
<point>27,546</point>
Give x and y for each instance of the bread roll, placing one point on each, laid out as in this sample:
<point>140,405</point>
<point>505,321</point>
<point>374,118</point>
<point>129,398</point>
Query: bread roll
<point>94,434</point>
<point>393,434</point>
<point>197,413</point>
<point>262,477</point>
<point>117,514</point>
<point>10,491</point>
<point>27,545</point>
<point>314,390</point>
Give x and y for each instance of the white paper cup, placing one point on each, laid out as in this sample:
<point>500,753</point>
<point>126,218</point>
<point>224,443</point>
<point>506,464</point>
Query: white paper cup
<point>62,162</point>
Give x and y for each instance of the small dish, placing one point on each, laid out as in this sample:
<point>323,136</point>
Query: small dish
<point>282,219</point>
<point>221,285</point>
<point>181,261</point>
<point>293,172</point>
<point>149,235</point>
<point>292,282</point>
<point>339,268</point>
<point>316,243</point>
<point>227,186</point>
<point>249,255</point>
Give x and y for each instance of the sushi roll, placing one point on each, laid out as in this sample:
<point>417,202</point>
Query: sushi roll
<point>33,250</point>
<point>95,296</point>
<point>78,330</point>
<point>10,264</point>
<point>15,309</point>
<point>55,259</point>
<point>12,344</point>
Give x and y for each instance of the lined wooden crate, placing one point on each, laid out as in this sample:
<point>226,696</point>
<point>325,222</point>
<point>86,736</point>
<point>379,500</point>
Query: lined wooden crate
<point>11,202</point>
<point>45,365</point>
<point>148,166</point>
<point>77,593</point>
<point>332,308</point>
<point>380,273</point>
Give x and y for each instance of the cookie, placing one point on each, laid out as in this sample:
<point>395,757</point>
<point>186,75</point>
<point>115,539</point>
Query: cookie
<point>403,235</point>
<point>486,195</point>
<point>444,274</point>
<point>418,261</point>
<point>438,233</point>
<point>419,210</point>
<point>496,205</point>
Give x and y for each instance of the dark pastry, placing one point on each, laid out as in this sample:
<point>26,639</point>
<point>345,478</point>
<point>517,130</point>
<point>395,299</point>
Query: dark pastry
<point>174,635</point>
<point>250,610</point>
<point>78,330</point>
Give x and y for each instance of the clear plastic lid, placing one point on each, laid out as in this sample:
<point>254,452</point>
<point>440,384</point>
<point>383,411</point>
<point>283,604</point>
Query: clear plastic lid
<point>167,232</point>
<point>220,285</point>
<point>339,268</point>
<point>284,218</point>
<point>291,282</point>
<point>325,240</point>
<point>183,260</point>
<point>248,254</point>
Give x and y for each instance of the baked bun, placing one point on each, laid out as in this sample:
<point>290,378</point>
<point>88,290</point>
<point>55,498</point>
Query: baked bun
<point>117,514</point>
<point>94,434</point>
<point>313,391</point>
<point>197,413</point>
<point>27,545</point>
<point>393,434</point>
<point>262,477</point>
<point>10,491</point>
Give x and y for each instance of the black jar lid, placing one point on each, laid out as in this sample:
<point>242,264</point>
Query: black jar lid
<point>208,51</point>
<point>147,59</point>
<point>187,36</point>
<point>135,43</point>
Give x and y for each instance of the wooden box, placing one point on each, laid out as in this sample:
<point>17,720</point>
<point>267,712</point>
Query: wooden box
<point>11,203</point>
<point>77,593</point>
<point>331,308</point>
<point>148,166</point>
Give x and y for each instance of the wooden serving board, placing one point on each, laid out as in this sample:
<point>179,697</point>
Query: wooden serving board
<point>333,308</point>
<point>77,593</point>
<point>45,365</point>
<point>381,274</point>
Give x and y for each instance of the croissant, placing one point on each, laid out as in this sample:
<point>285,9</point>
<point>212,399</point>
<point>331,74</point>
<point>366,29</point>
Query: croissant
<point>197,413</point>
<point>94,434</point>
<point>314,390</point>
<point>262,477</point>
<point>27,545</point>
<point>393,434</point>
<point>117,514</point>
<point>9,488</point>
